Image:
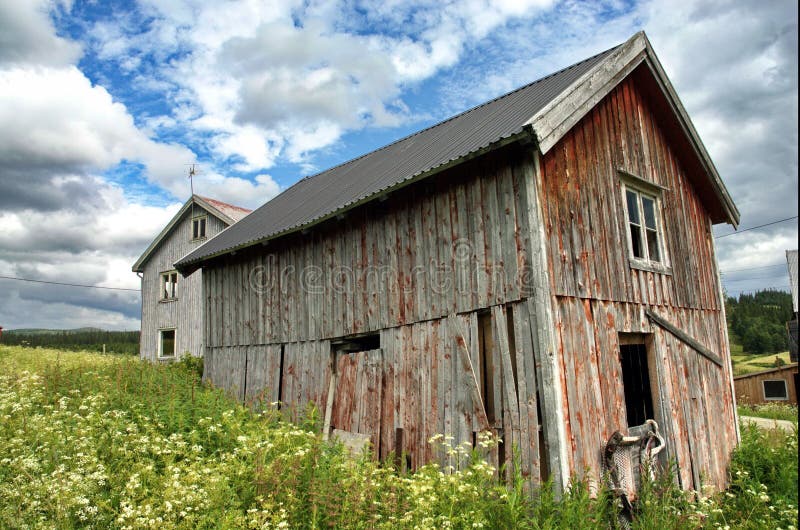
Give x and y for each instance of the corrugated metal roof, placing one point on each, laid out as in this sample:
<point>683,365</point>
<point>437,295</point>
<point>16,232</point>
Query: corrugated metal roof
<point>342,186</point>
<point>791,261</point>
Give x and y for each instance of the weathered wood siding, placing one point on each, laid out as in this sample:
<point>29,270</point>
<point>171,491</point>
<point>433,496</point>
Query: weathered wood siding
<point>750,389</point>
<point>416,384</point>
<point>456,243</point>
<point>184,314</point>
<point>539,242</point>
<point>596,293</point>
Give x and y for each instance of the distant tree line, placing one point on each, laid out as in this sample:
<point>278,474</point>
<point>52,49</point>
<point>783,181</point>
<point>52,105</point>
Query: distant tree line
<point>758,321</point>
<point>125,342</point>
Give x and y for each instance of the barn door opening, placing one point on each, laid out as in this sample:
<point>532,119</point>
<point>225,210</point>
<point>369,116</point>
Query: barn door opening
<point>354,415</point>
<point>636,382</point>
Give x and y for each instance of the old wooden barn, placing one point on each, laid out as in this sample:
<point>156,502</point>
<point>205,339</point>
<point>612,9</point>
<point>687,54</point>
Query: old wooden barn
<point>172,310</point>
<point>541,266</point>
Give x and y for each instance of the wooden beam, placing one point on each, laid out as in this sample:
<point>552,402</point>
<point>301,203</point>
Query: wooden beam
<point>460,344</point>
<point>558,117</point>
<point>326,426</point>
<point>545,348</point>
<point>684,337</point>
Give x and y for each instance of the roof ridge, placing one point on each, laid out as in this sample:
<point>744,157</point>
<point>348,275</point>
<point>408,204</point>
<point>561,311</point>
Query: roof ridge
<point>451,118</point>
<point>205,198</point>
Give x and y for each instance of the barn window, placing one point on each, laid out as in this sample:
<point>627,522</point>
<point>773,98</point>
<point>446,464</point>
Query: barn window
<point>775,390</point>
<point>166,343</point>
<point>645,232</point>
<point>199,227</point>
<point>169,285</point>
<point>636,379</point>
<point>366,342</point>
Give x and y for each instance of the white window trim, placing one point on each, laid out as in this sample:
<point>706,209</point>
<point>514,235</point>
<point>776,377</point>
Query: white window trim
<point>161,282</point>
<point>197,219</point>
<point>652,191</point>
<point>785,390</point>
<point>161,343</point>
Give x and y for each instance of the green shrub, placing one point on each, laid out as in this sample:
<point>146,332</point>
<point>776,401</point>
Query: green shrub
<point>771,411</point>
<point>192,364</point>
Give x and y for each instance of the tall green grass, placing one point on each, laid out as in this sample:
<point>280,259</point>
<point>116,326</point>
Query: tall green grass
<point>771,411</point>
<point>91,441</point>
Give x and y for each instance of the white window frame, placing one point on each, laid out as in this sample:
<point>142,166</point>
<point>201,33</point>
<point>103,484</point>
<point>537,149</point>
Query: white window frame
<point>164,277</point>
<point>644,188</point>
<point>785,390</point>
<point>161,343</point>
<point>197,220</point>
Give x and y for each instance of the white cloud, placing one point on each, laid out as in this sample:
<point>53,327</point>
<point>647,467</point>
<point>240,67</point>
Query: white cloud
<point>301,74</point>
<point>56,118</point>
<point>27,34</point>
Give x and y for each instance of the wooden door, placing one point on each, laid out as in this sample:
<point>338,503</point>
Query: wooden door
<point>356,411</point>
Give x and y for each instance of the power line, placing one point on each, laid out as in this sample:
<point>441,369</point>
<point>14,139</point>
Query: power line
<point>754,268</point>
<point>756,278</point>
<point>67,284</point>
<point>754,227</point>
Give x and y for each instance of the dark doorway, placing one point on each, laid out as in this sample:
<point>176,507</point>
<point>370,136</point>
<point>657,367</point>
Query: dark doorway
<point>636,382</point>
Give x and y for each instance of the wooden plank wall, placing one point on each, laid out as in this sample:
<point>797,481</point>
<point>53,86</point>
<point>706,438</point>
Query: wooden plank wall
<point>420,387</point>
<point>597,294</point>
<point>692,410</point>
<point>455,244</point>
<point>750,390</point>
<point>584,216</point>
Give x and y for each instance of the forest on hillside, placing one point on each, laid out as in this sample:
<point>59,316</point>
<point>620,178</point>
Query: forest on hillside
<point>89,339</point>
<point>757,321</point>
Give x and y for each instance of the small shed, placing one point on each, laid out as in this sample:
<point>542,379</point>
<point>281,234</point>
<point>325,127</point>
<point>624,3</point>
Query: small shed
<point>777,385</point>
<point>541,267</point>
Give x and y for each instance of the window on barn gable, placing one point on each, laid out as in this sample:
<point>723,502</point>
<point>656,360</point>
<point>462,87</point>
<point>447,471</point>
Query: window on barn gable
<point>645,228</point>
<point>169,285</point>
<point>199,227</point>
<point>775,390</point>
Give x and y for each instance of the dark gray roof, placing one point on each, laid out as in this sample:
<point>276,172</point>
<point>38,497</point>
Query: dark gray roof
<point>348,184</point>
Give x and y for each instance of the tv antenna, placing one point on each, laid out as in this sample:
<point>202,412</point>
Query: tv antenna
<point>192,172</point>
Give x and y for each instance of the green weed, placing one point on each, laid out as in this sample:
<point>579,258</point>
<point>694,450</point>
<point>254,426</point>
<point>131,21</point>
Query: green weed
<point>92,441</point>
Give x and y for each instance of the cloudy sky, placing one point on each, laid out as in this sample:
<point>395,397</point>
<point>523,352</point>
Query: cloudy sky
<point>103,104</point>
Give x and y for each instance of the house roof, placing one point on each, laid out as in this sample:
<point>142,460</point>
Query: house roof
<point>234,213</point>
<point>227,213</point>
<point>544,110</point>
<point>768,371</point>
<point>791,262</point>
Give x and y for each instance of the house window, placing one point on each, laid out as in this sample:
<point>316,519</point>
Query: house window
<point>166,343</point>
<point>644,230</point>
<point>169,285</point>
<point>199,228</point>
<point>775,390</point>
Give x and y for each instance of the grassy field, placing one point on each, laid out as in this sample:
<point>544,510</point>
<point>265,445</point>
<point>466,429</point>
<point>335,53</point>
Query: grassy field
<point>745,364</point>
<point>770,411</point>
<point>92,441</point>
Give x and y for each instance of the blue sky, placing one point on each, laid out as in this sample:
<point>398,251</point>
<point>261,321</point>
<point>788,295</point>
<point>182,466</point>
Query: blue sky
<point>104,104</point>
